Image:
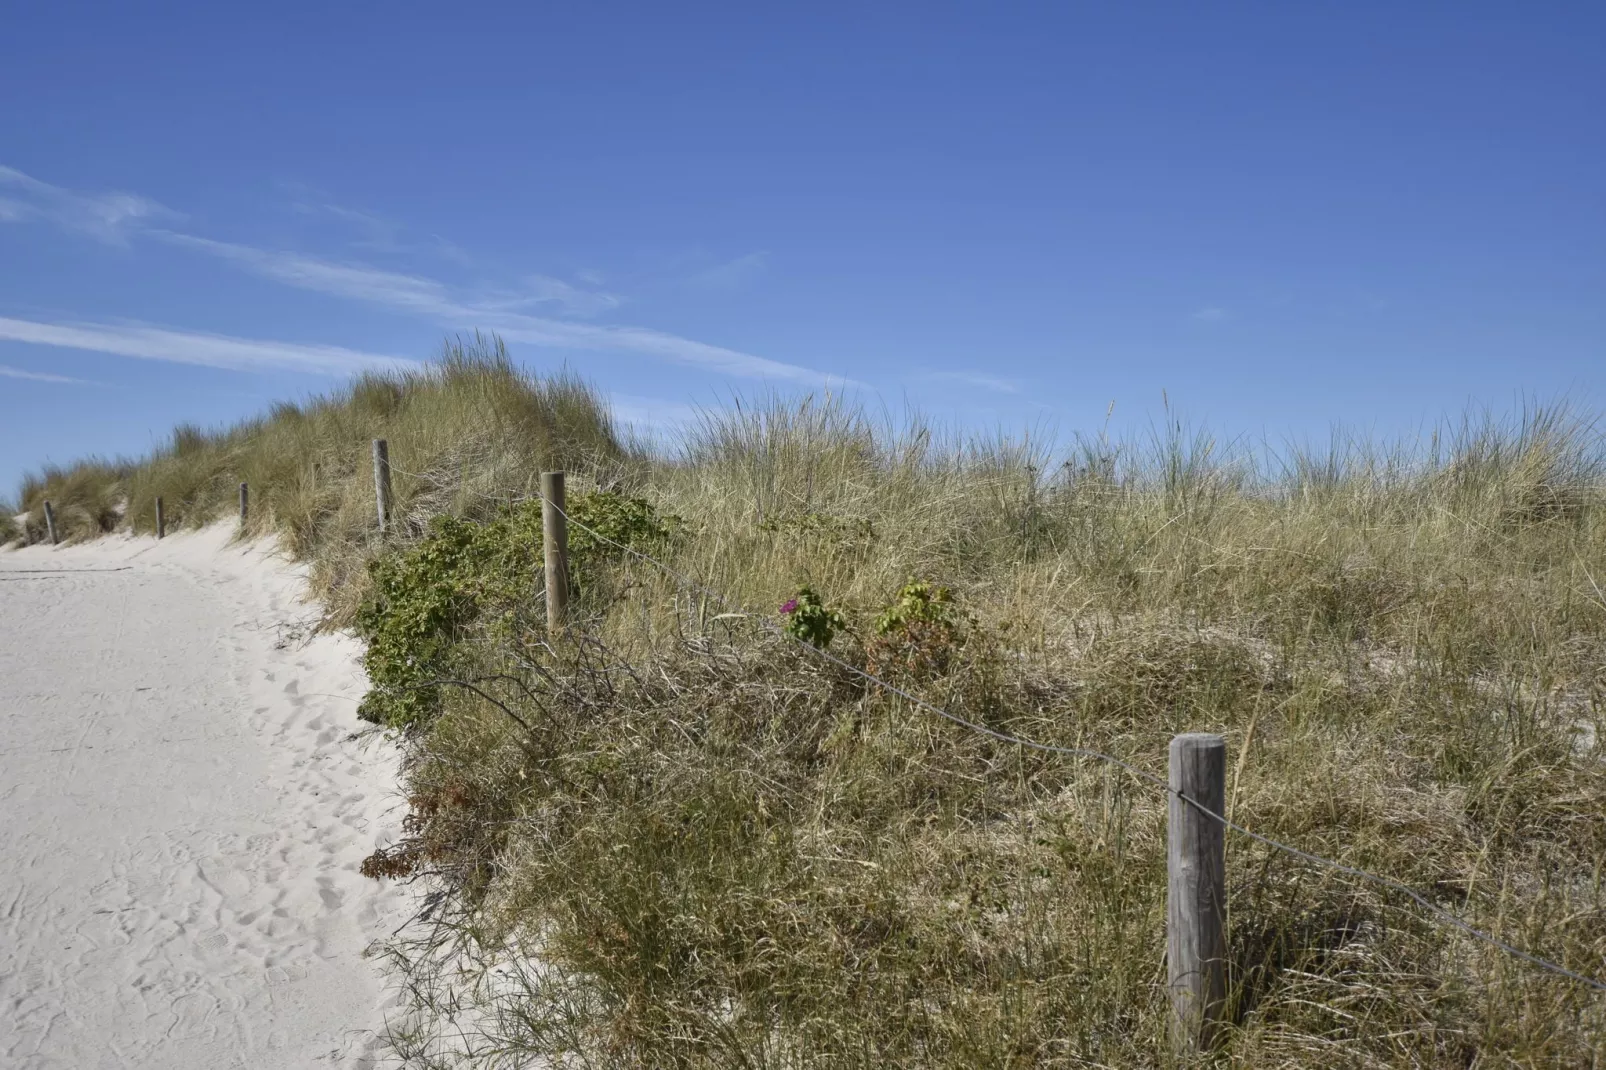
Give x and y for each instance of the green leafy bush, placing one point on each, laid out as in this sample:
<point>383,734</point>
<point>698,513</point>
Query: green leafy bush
<point>466,579</point>
<point>809,619</point>
<point>919,633</point>
<point>918,603</point>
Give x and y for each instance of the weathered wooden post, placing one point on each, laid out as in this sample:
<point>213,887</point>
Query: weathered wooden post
<point>50,523</point>
<point>382,482</point>
<point>1196,894</point>
<point>245,503</point>
<point>161,521</point>
<point>555,548</point>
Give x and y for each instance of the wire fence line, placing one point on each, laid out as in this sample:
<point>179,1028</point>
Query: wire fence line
<point>1075,752</point>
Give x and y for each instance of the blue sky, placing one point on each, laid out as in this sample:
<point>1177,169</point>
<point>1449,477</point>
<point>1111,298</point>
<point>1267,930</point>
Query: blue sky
<point>1282,215</point>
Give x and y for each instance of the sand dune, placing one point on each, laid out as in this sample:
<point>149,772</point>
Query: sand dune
<point>182,813</point>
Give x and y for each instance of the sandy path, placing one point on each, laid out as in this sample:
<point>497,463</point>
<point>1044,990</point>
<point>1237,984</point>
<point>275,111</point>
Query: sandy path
<point>182,815</point>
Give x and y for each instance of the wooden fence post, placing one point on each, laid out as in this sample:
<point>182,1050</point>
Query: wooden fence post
<point>555,548</point>
<point>245,503</point>
<point>382,482</point>
<point>1196,893</point>
<point>161,521</point>
<point>50,522</point>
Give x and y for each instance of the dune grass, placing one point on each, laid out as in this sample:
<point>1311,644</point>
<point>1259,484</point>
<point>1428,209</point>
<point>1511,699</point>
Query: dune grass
<point>88,499</point>
<point>676,838</point>
<point>10,529</point>
<point>729,853</point>
<point>468,426</point>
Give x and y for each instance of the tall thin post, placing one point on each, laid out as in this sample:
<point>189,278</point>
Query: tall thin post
<point>50,523</point>
<point>382,482</point>
<point>1196,899</point>
<point>245,503</point>
<point>161,520</point>
<point>555,547</point>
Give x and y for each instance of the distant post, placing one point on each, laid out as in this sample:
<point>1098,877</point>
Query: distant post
<point>382,482</point>
<point>1196,893</point>
<point>161,521</point>
<point>555,548</point>
<point>50,522</point>
<point>245,503</point>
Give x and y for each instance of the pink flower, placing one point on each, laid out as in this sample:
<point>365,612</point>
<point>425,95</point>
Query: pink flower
<point>790,606</point>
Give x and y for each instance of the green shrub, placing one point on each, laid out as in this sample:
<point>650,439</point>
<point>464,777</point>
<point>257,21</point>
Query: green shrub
<point>917,604</point>
<point>809,619</point>
<point>919,633</point>
<point>466,579</point>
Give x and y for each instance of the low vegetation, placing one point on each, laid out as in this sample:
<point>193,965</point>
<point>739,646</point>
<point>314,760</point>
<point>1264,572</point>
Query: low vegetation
<point>679,836</point>
<point>468,430</point>
<point>448,605</point>
<point>88,500</point>
<point>10,530</point>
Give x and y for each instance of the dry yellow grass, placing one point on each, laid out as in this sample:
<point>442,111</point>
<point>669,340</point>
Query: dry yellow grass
<point>469,425</point>
<point>10,530</point>
<point>729,853</point>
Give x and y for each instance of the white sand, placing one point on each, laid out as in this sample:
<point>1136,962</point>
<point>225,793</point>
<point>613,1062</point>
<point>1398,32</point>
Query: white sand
<point>182,815</point>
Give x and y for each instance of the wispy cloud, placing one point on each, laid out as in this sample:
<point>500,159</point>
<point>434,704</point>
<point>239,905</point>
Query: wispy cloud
<point>671,347</point>
<point>1210,314</point>
<point>8,372</point>
<point>114,217</point>
<point>189,347</point>
<point>546,290</point>
<point>109,217</point>
<point>407,292</point>
<point>434,300</point>
<point>371,231</point>
<point>732,273</point>
<point>977,379</point>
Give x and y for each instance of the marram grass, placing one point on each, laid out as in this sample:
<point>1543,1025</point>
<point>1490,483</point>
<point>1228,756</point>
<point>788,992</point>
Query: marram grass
<point>682,840</point>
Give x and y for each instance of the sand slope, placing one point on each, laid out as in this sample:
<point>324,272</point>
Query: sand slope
<point>182,815</point>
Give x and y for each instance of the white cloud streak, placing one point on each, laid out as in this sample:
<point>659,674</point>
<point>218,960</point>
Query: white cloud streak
<point>206,350</point>
<point>108,217</point>
<point>374,232</point>
<point>113,217</point>
<point>409,293</point>
<point>432,299</point>
<point>545,290</point>
<point>8,372</point>
<point>377,231</point>
<point>977,379</point>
